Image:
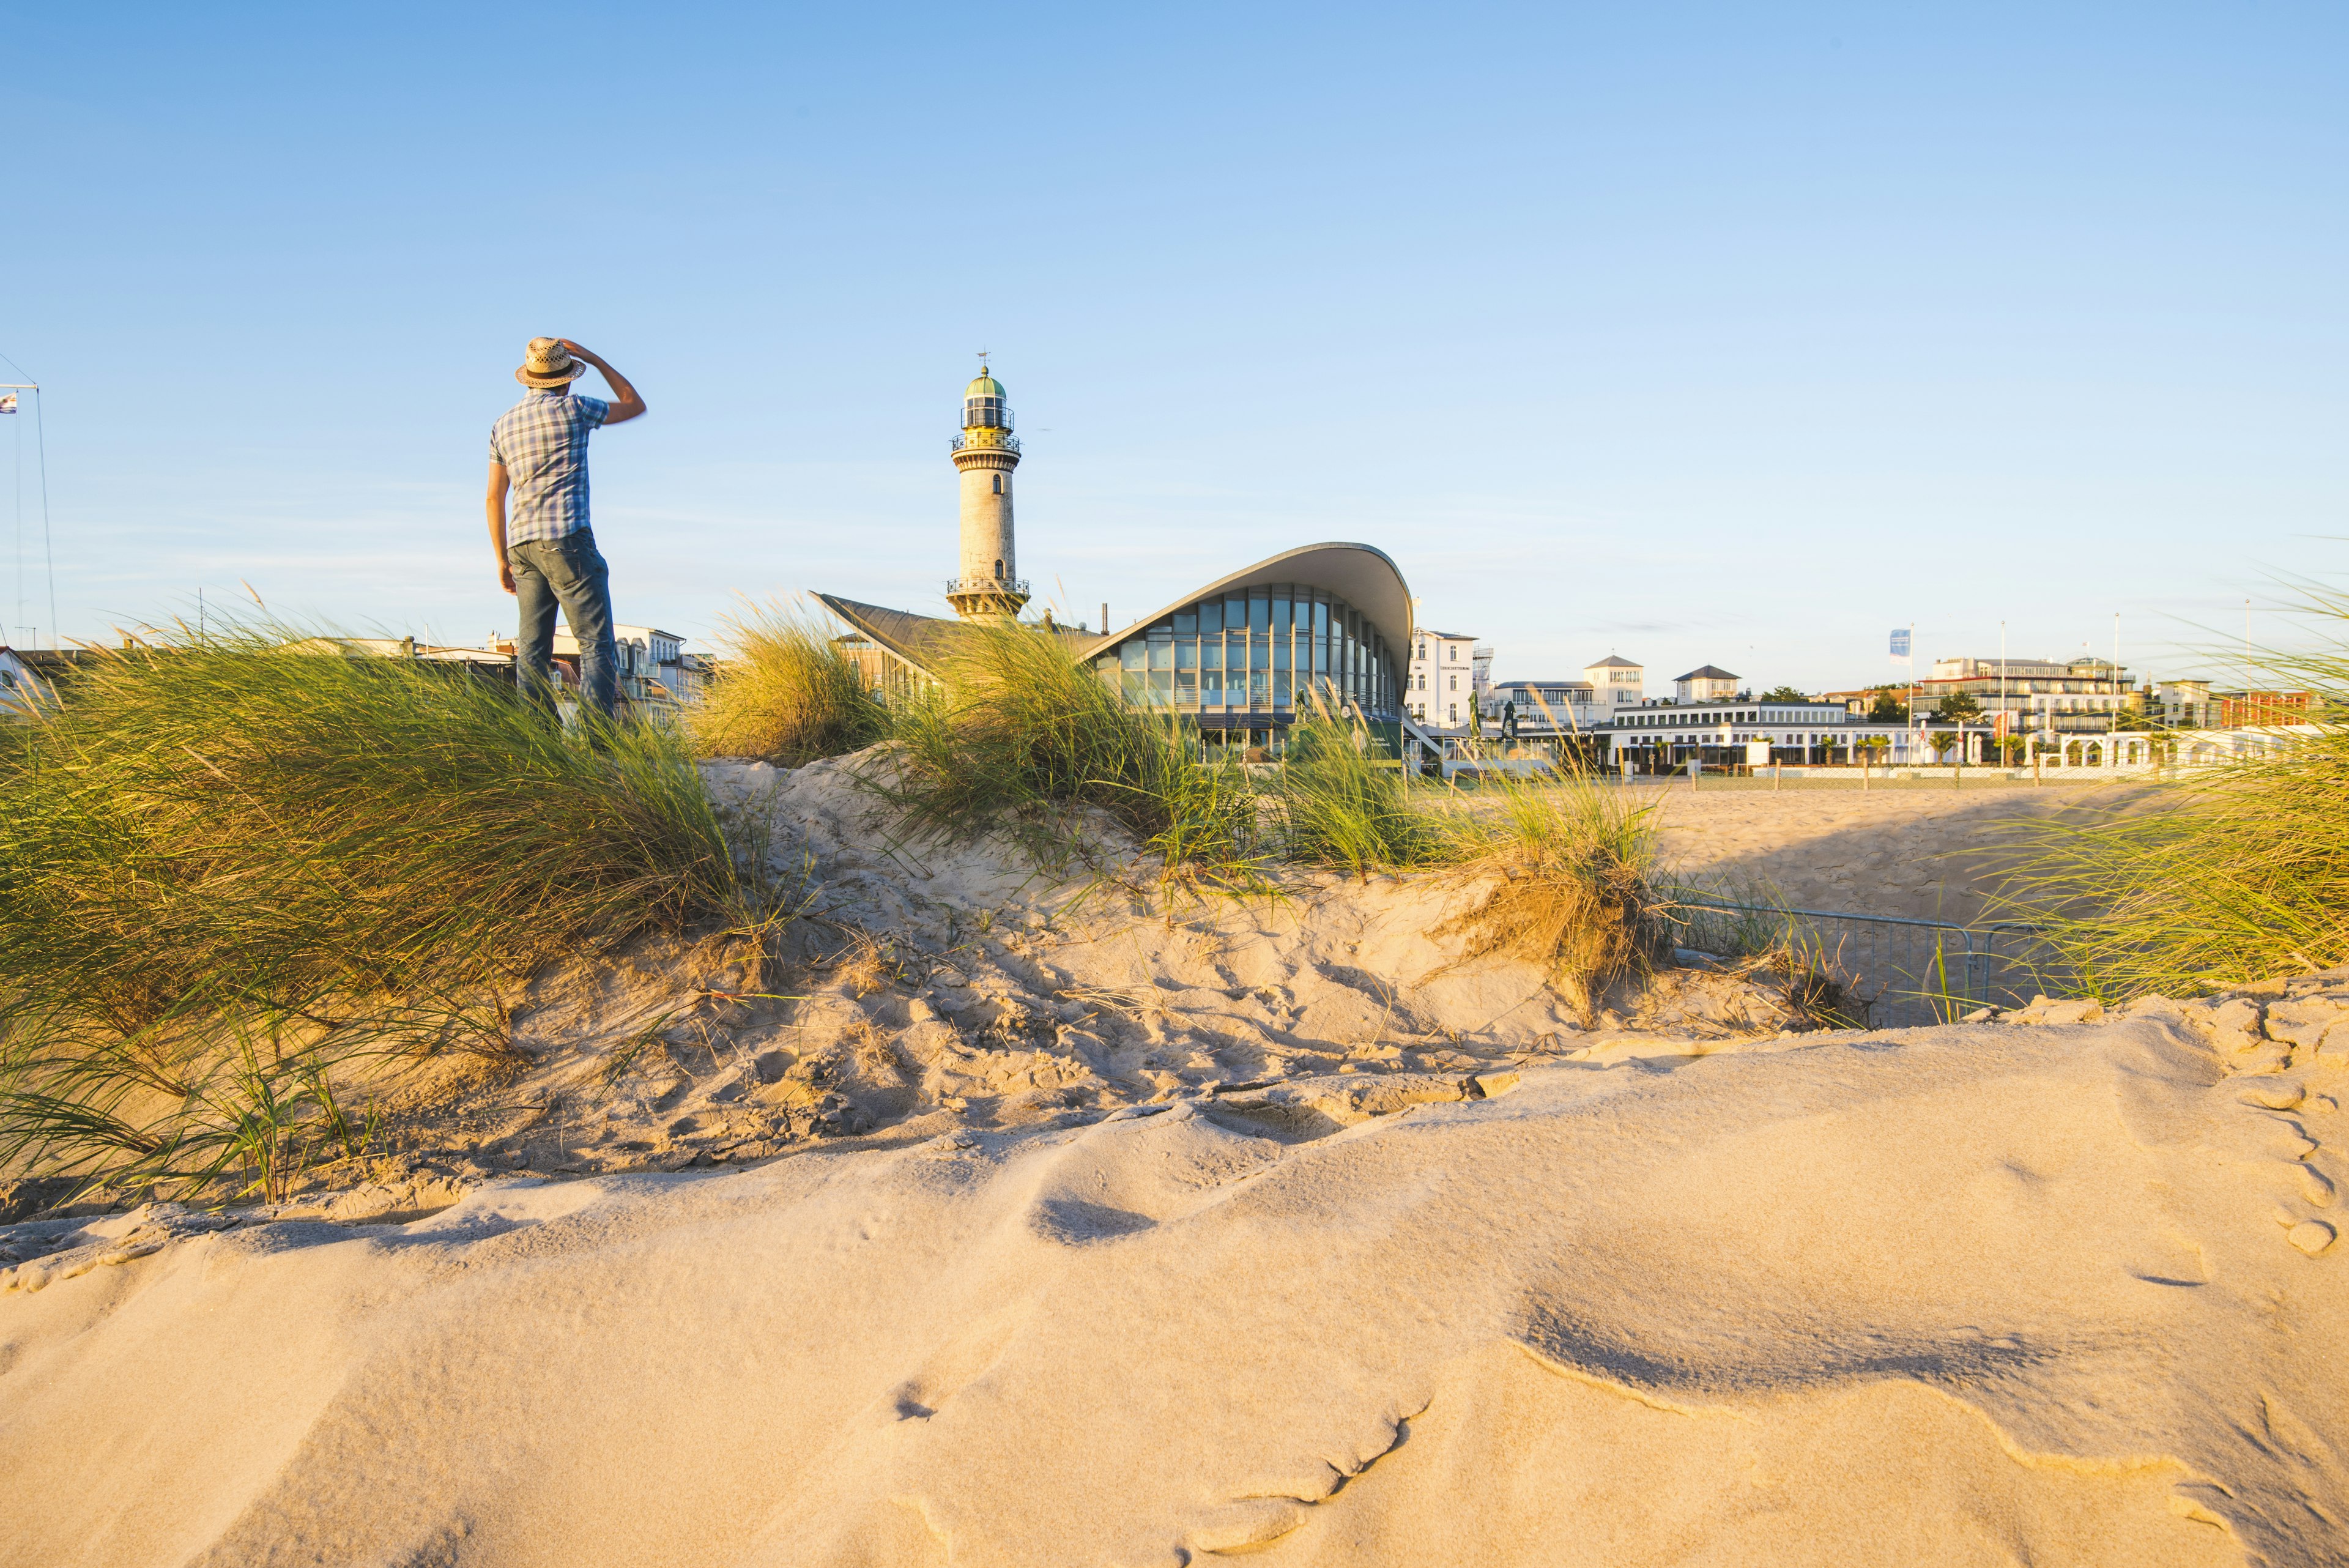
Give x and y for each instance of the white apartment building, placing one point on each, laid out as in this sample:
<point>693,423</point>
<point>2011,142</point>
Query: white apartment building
<point>2183,705</point>
<point>2053,698</point>
<point>1706,684</point>
<point>1616,682</point>
<point>1448,674</point>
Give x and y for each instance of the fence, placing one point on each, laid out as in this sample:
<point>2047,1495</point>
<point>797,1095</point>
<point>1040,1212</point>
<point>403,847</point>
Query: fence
<point>1897,973</point>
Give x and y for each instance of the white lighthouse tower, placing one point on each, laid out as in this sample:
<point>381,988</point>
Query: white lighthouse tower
<point>986,452</point>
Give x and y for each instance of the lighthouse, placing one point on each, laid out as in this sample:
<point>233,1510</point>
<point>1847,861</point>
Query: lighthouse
<point>985,452</point>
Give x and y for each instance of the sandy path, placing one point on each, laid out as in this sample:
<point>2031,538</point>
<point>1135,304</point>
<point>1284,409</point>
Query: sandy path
<point>1927,854</point>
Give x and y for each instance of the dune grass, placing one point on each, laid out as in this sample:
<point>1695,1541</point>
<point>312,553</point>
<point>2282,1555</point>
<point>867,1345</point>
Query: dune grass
<point>784,693</point>
<point>2217,877</point>
<point>1571,865</point>
<point>1343,804</point>
<point>1020,734</point>
<point>230,864</point>
<point>1577,891</point>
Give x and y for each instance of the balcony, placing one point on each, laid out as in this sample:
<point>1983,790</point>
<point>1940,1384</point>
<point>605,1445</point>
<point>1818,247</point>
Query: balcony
<point>984,439</point>
<point>987,585</point>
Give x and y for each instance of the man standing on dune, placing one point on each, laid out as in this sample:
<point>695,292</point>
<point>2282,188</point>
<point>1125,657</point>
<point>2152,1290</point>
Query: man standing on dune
<point>547,554</point>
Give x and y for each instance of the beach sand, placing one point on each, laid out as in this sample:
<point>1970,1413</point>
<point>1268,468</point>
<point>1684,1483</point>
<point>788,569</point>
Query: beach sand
<point>1916,851</point>
<point>1964,1295</point>
<point>1040,1229</point>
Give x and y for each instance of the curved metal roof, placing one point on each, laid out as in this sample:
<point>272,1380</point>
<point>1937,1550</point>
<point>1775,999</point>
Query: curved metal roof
<point>1361,575</point>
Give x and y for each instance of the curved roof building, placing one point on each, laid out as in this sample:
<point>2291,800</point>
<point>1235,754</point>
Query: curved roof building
<point>1245,652</point>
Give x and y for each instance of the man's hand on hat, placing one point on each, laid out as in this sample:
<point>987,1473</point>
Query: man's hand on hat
<point>577,352</point>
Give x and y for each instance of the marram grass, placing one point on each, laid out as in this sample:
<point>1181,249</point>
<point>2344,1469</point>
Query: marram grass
<point>784,693</point>
<point>2221,875</point>
<point>1019,735</point>
<point>258,831</point>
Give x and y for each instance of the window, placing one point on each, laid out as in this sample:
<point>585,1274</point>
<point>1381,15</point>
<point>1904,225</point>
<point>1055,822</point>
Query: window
<point>1450,650</point>
<point>998,571</point>
<point>1454,710</point>
<point>998,485</point>
<point>1455,681</point>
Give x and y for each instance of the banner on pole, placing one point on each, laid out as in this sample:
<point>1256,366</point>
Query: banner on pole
<point>8,403</point>
<point>1900,645</point>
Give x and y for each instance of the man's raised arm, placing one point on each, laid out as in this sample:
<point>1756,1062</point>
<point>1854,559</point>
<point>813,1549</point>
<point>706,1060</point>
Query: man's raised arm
<point>625,404</point>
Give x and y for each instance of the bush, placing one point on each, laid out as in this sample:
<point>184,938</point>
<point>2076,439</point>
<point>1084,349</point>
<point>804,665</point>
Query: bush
<point>263,836</point>
<point>785,692</point>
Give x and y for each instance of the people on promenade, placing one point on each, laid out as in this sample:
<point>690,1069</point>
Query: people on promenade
<point>538,517</point>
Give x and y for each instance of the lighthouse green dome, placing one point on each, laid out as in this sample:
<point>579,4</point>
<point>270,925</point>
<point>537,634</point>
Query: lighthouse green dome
<point>986,386</point>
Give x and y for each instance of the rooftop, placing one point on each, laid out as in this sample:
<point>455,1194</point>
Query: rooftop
<point>1708,672</point>
<point>1612,662</point>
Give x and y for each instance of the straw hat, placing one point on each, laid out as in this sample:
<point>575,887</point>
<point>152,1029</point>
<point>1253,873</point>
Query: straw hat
<point>547,363</point>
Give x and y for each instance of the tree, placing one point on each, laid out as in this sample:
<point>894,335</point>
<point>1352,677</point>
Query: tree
<point>1784,694</point>
<point>1957,708</point>
<point>1888,708</point>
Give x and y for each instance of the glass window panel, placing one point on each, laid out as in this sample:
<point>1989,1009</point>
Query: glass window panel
<point>1162,653</point>
<point>1259,611</point>
<point>1259,689</point>
<point>1134,679</point>
<point>1211,686</point>
<point>1162,687</point>
<point>1187,653</point>
<point>1321,657</point>
<point>1320,616</point>
<point>1186,687</point>
<point>1280,653</point>
<point>1211,653</point>
<point>1186,622</point>
<point>1235,612</point>
<point>1131,654</point>
<point>1280,688</point>
<point>1280,622</point>
<point>1211,616</point>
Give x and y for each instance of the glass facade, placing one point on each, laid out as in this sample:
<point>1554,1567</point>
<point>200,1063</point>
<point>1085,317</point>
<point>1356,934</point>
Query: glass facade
<point>1250,659</point>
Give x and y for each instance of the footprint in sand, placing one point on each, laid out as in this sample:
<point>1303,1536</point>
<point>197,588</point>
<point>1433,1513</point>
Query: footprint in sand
<point>2310,1236</point>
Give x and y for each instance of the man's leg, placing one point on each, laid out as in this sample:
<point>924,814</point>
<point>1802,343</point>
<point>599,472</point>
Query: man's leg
<point>534,602</point>
<point>584,586</point>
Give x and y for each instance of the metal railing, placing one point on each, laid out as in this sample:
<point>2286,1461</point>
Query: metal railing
<point>987,585</point>
<point>1006,442</point>
<point>1888,972</point>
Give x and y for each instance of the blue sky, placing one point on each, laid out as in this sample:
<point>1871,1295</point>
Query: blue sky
<point>1729,334</point>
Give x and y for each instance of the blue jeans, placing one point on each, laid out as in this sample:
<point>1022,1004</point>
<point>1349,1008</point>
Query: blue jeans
<point>569,572</point>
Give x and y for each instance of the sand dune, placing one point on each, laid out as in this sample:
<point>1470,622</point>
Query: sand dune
<point>1985,1294</point>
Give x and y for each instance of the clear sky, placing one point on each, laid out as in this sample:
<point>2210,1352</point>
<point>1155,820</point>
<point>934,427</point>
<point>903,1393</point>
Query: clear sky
<point>1735,334</point>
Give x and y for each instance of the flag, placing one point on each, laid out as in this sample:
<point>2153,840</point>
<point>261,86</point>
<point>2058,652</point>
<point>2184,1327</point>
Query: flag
<point>1900,645</point>
<point>8,403</point>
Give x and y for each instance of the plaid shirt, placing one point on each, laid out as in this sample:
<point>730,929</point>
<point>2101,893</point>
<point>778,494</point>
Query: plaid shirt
<point>542,442</point>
